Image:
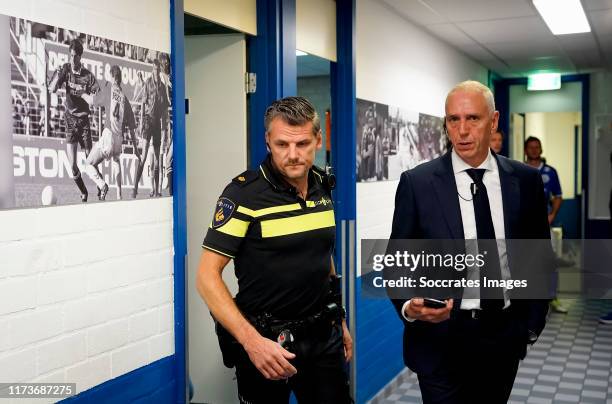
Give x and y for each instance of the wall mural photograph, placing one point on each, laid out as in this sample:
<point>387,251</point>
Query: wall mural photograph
<point>90,118</point>
<point>391,140</point>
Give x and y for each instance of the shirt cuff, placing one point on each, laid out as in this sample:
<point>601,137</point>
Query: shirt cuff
<point>409,319</point>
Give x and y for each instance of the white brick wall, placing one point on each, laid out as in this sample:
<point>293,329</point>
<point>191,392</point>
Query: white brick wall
<point>89,301</point>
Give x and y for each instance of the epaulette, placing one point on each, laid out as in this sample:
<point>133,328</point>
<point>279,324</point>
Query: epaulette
<point>246,177</point>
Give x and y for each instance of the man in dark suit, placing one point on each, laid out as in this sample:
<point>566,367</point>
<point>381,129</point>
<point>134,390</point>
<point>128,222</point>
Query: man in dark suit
<point>469,351</point>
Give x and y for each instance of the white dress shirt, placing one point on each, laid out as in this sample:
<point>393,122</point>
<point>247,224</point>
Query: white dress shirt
<point>491,180</point>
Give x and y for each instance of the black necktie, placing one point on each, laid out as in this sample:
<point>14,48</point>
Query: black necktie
<point>490,298</point>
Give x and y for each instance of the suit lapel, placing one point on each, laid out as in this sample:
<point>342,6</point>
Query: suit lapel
<point>446,190</point>
<point>510,195</point>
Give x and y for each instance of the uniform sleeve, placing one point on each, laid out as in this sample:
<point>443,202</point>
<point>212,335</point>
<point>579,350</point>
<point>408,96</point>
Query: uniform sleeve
<point>228,226</point>
<point>555,185</point>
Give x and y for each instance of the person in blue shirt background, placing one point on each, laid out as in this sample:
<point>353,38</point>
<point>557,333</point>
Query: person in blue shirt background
<point>552,192</point>
<point>552,186</point>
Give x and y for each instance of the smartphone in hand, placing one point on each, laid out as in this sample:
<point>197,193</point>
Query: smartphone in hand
<point>433,303</point>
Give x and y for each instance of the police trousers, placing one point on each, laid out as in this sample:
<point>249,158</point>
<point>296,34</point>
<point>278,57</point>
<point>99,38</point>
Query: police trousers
<point>320,377</point>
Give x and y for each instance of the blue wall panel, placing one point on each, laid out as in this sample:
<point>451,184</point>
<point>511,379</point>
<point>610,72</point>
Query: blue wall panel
<point>154,383</point>
<point>379,341</point>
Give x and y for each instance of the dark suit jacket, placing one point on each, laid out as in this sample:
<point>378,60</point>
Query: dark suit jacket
<point>427,207</point>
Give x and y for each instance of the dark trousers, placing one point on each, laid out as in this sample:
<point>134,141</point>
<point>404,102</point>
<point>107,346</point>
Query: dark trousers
<point>482,366</point>
<point>320,377</point>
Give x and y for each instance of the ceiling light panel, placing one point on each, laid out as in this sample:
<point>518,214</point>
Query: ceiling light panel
<point>563,16</point>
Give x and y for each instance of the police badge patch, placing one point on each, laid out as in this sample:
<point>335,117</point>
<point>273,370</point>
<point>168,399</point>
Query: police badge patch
<point>223,212</point>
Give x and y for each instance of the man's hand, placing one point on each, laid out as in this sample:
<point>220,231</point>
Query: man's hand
<point>270,358</point>
<point>417,310</point>
<point>551,218</point>
<point>347,340</point>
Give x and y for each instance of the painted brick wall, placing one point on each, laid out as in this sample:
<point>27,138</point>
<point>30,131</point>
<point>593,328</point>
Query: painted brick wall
<point>86,291</point>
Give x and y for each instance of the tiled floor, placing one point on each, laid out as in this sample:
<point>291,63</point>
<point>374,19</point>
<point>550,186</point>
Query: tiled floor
<point>570,363</point>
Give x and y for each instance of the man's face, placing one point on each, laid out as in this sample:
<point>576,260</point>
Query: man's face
<point>75,60</point>
<point>533,150</point>
<point>470,125</point>
<point>292,148</point>
<point>496,142</point>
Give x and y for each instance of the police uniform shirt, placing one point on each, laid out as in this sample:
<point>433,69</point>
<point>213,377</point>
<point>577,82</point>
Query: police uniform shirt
<point>280,243</point>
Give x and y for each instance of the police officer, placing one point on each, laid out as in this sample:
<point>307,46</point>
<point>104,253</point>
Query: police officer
<point>284,331</point>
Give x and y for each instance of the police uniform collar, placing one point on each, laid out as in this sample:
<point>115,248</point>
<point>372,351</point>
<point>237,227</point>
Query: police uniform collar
<point>271,174</point>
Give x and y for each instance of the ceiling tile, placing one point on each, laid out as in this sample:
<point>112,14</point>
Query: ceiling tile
<point>585,57</point>
<point>597,4</point>
<point>601,21</point>
<point>497,66</point>
<point>606,42</point>
<point>478,10</point>
<point>450,34</point>
<point>519,50</point>
<point>577,41</point>
<point>477,52</point>
<point>415,11</point>
<point>523,30</point>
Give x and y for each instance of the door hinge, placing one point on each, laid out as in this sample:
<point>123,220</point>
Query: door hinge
<point>250,82</point>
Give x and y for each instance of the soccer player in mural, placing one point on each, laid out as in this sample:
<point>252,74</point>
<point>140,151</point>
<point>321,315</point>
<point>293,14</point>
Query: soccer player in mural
<point>154,123</point>
<point>167,148</point>
<point>80,85</point>
<point>118,118</point>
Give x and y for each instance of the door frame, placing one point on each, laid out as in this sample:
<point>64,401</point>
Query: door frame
<point>179,199</point>
<point>590,228</point>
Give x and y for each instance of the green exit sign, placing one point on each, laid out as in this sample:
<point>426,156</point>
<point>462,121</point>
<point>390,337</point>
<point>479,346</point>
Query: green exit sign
<point>543,81</point>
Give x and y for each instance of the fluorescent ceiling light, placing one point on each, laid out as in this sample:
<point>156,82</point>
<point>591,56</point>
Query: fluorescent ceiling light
<point>543,81</point>
<point>300,53</point>
<point>563,16</point>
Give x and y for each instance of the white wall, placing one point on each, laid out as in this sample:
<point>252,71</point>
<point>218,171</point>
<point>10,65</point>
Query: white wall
<point>399,64</point>
<point>86,291</point>
<point>216,142</point>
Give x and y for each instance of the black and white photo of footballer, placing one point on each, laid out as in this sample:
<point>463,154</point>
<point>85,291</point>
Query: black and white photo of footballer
<point>373,131</point>
<point>80,85</point>
<point>84,104</point>
<point>155,101</point>
<point>119,118</point>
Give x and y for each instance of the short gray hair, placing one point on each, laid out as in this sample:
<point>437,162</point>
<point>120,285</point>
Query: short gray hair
<point>295,111</point>
<point>475,86</point>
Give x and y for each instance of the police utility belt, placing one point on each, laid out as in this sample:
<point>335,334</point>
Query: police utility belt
<point>285,332</point>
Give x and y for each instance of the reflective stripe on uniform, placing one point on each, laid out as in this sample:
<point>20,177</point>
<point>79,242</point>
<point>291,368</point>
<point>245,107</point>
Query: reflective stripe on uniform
<point>270,210</point>
<point>274,209</point>
<point>297,224</point>
<point>234,227</point>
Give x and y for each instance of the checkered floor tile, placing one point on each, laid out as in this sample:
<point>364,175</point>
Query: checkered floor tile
<point>570,363</point>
